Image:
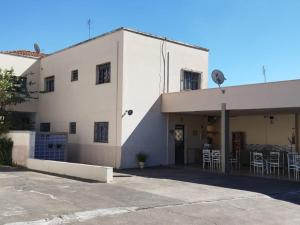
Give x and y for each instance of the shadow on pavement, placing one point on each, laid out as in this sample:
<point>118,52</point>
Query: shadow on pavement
<point>278,189</point>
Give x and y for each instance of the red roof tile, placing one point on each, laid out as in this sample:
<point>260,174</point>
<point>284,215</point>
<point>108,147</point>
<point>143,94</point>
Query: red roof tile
<point>24,53</point>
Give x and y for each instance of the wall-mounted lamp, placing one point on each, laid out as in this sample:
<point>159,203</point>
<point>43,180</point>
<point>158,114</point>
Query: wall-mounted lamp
<point>271,118</point>
<point>129,112</point>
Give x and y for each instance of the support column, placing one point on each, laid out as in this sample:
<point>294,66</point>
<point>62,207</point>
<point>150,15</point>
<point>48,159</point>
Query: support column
<point>225,139</point>
<point>297,132</point>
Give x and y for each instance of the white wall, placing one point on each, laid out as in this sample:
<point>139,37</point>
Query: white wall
<point>146,130</point>
<point>23,66</point>
<point>90,172</point>
<point>259,129</point>
<point>83,101</point>
<point>23,146</point>
<point>275,95</point>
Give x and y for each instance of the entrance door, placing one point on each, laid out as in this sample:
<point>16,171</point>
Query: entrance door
<point>179,144</point>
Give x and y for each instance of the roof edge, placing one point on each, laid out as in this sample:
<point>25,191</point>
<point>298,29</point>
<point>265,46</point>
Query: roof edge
<point>133,31</point>
<point>165,39</point>
<point>23,56</point>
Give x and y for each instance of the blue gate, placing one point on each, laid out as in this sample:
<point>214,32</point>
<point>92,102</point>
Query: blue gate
<point>51,146</point>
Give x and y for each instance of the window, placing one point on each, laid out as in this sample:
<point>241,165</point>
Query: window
<point>101,132</point>
<point>22,84</point>
<point>45,127</point>
<point>74,75</point>
<point>103,73</point>
<point>72,128</point>
<point>49,84</point>
<point>190,80</point>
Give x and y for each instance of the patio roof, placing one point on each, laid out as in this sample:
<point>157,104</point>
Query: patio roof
<point>266,96</point>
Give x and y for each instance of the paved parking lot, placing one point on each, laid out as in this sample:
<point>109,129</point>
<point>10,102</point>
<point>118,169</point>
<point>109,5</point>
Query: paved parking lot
<point>151,196</point>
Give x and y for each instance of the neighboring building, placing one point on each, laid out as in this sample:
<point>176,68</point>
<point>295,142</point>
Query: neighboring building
<point>24,63</point>
<point>87,90</point>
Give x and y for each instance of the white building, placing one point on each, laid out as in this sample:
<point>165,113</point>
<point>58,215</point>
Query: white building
<point>88,89</point>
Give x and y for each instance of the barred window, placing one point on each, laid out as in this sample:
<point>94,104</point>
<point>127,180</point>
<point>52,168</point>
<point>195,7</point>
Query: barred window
<point>101,132</point>
<point>45,127</point>
<point>74,75</point>
<point>103,73</point>
<point>190,80</point>
<point>72,128</point>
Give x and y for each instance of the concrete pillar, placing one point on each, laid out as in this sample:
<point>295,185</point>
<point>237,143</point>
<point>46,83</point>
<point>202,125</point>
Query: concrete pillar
<point>225,139</point>
<point>297,132</point>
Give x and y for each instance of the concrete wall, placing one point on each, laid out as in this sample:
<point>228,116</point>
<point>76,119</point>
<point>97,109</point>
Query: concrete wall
<point>146,130</point>
<point>23,66</point>
<point>23,148</point>
<point>83,101</point>
<point>259,130</point>
<point>276,95</point>
<point>90,172</point>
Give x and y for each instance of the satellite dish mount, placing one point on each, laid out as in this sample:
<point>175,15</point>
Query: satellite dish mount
<point>218,77</point>
<point>37,48</point>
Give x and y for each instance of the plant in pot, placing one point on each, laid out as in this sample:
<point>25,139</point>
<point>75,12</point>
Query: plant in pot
<point>141,159</point>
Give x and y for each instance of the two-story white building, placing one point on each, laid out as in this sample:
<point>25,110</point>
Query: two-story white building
<point>126,92</point>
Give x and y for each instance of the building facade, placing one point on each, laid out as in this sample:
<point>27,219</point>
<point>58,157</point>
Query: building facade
<point>87,90</point>
<point>127,92</point>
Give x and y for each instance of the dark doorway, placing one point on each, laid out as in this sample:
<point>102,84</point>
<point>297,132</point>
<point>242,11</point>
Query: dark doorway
<point>179,144</point>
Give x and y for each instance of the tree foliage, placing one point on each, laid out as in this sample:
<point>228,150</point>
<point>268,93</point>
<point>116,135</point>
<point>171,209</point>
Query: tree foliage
<point>13,91</point>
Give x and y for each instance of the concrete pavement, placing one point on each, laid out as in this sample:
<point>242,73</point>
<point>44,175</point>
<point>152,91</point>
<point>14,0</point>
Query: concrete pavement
<point>151,196</point>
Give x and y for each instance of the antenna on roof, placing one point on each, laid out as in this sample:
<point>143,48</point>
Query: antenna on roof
<point>89,26</point>
<point>218,77</point>
<point>264,74</point>
<point>37,48</point>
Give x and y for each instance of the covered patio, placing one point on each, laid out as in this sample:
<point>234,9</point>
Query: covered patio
<point>246,123</point>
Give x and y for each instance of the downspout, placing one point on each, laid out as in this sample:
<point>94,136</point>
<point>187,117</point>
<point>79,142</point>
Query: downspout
<point>117,104</point>
<point>168,70</point>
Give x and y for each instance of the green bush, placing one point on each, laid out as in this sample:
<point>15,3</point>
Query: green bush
<point>141,157</point>
<point>6,145</point>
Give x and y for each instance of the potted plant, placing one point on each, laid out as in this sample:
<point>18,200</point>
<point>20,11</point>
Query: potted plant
<point>141,159</point>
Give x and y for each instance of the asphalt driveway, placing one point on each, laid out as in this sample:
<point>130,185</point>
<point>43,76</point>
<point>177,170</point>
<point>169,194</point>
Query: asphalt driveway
<point>151,196</point>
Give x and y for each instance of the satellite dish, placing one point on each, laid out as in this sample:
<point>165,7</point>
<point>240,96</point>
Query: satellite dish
<point>218,77</point>
<point>37,48</point>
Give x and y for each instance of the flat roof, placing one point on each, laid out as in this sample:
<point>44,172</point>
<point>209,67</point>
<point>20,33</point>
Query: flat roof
<point>133,31</point>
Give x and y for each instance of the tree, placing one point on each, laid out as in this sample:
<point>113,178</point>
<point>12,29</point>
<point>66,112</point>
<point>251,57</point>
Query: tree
<point>13,91</point>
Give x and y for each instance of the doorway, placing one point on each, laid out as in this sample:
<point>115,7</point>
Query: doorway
<point>179,144</point>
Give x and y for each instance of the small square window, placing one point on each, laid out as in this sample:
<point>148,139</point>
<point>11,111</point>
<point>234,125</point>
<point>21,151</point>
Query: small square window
<point>190,80</point>
<point>72,128</point>
<point>103,73</point>
<point>45,127</point>
<point>49,84</point>
<point>101,132</point>
<point>74,75</point>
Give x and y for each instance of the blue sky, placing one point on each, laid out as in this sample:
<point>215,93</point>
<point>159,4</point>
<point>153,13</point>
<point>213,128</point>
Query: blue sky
<point>242,35</point>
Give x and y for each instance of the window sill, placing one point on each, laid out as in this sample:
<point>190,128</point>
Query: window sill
<point>98,142</point>
<point>43,92</point>
<point>103,83</point>
<point>190,90</point>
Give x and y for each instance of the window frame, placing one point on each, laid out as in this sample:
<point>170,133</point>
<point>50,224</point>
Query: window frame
<point>102,81</point>
<point>183,80</point>
<point>46,86</point>
<point>72,75</point>
<point>72,130</point>
<point>45,123</point>
<point>101,138</point>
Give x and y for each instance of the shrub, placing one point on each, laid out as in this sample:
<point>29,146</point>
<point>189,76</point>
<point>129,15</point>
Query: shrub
<point>141,157</point>
<point>6,145</point>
